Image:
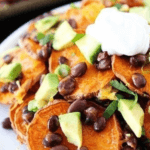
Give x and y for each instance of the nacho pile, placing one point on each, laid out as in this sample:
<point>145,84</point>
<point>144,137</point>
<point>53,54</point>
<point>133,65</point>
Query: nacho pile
<point>65,77</point>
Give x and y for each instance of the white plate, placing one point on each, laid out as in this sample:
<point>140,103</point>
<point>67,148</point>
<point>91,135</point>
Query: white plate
<point>8,139</point>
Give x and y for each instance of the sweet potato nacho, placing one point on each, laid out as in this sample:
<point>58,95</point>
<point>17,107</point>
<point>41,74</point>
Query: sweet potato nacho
<point>79,80</point>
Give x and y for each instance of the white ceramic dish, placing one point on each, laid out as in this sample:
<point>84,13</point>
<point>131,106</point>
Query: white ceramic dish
<point>8,139</point>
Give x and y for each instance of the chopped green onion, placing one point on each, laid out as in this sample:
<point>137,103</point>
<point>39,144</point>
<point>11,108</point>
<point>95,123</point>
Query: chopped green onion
<point>110,109</point>
<point>143,131</point>
<point>32,106</point>
<point>120,86</point>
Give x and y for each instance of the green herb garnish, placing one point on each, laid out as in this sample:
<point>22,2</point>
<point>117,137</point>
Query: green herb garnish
<point>77,37</point>
<point>40,36</point>
<point>32,106</point>
<point>110,109</point>
<point>44,39</point>
<point>143,131</point>
<point>72,5</point>
<point>120,86</point>
<point>118,6</point>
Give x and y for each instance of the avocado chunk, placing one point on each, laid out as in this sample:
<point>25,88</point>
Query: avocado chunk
<point>142,11</point>
<point>32,106</point>
<point>72,128</point>
<point>89,47</point>
<point>63,70</point>
<point>10,72</point>
<point>47,90</point>
<point>63,36</point>
<point>134,117</point>
<point>46,23</point>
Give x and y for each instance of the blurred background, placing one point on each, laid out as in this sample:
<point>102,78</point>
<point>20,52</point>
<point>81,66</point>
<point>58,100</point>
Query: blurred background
<point>14,13</point>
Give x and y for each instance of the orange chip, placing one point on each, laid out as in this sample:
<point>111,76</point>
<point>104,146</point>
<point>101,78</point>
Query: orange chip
<point>20,125</point>
<point>108,139</point>
<point>147,120</point>
<point>31,69</point>
<point>91,11</point>
<point>124,71</point>
<point>91,82</point>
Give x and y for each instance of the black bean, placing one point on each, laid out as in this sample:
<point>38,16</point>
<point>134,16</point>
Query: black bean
<point>91,115</point>
<point>137,60</point>
<point>100,124</point>
<point>83,148</point>
<point>73,23</point>
<point>127,148</point>
<point>52,140</point>
<point>43,53</point>
<point>78,106</point>
<point>53,123</point>
<point>79,70</point>
<point>4,88</point>
<point>104,64</point>
<point>6,124</point>
<point>138,80</point>
<point>66,86</point>
<point>25,109</point>
<point>27,116</point>
<point>131,139</point>
<point>20,76</point>
<point>102,55</point>
<point>60,147</point>
<point>7,58</point>
<point>12,87</point>
<point>62,60</point>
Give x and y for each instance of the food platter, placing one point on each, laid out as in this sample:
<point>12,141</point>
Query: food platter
<point>8,137</point>
<point>63,74</point>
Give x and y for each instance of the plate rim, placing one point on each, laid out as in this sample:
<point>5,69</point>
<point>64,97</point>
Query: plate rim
<point>12,39</point>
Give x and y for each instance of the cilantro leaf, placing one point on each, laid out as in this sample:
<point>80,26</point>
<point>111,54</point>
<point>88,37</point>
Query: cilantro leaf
<point>72,5</point>
<point>110,109</point>
<point>44,39</point>
<point>120,86</point>
<point>40,36</point>
<point>77,37</point>
<point>118,6</point>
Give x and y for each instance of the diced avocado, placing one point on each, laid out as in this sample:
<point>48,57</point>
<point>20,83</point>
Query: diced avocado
<point>47,90</point>
<point>72,128</point>
<point>10,72</point>
<point>89,47</point>
<point>32,106</point>
<point>63,70</point>
<point>142,11</point>
<point>63,36</point>
<point>46,23</point>
<point>134,117</point>
<point>147,2</point>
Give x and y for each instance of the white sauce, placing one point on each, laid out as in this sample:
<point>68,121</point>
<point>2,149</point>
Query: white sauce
<point>120,33</point>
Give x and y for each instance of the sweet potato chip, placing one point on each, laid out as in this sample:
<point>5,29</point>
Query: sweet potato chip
<point>12,111</point>
<point>108,139</point>
<point>124,71</point>
<point>20,125</point>
<point>91,11</point>
<point>32,70</point>
<point>91,82</point>
<point>147,120</point>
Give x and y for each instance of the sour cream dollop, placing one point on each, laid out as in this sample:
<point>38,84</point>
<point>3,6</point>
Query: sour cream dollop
<point>120,33</point>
